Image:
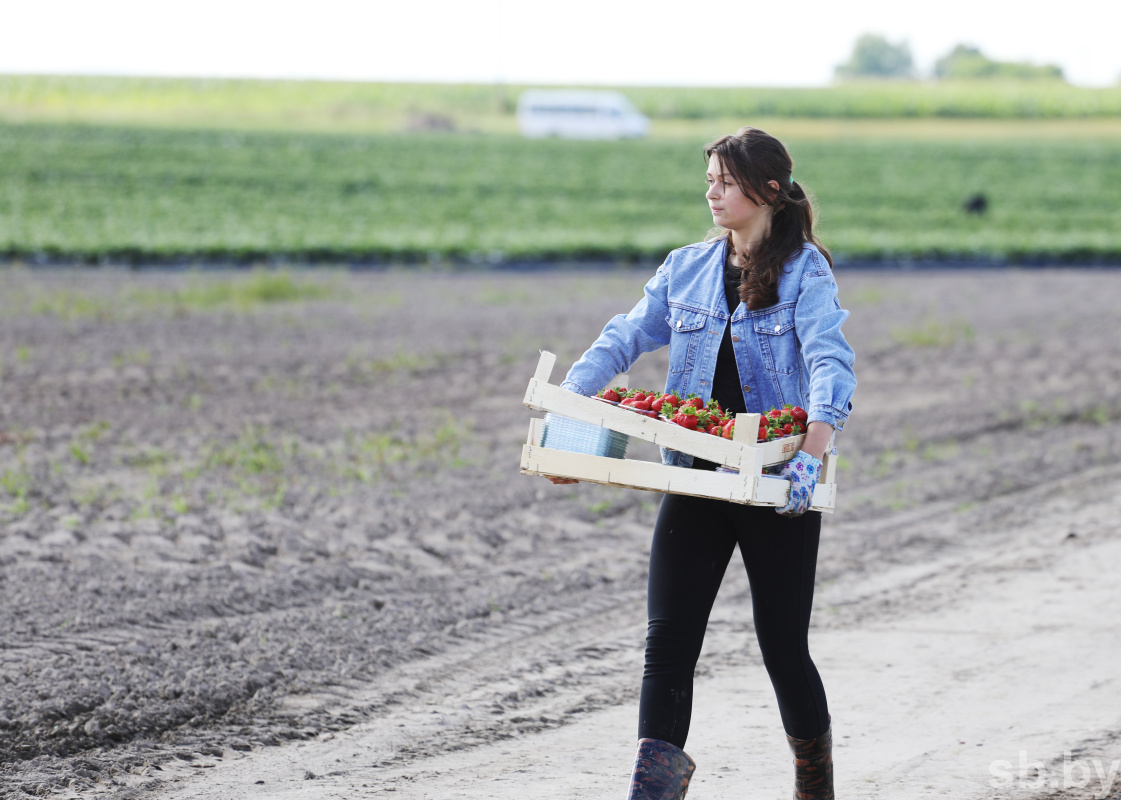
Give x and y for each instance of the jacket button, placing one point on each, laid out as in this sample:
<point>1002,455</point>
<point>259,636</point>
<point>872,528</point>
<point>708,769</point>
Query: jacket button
<point>778,328</point>
<point>735,338</point>
<point>746,388</point>
<point>679,323</point>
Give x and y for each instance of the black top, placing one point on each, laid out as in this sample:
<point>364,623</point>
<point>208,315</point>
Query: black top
<point>726,385</point>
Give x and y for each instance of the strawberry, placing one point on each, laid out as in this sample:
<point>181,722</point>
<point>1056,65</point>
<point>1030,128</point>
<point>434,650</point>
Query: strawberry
<point>763,430</point>
<point>642,405</point>
<point>611,395</point>
<point>627,401</point>
<point>774,413</point>
<point>657,404</point>
<point>787,429</point>
<point>729,429</point>
<point>799,414</point>
<point>672,400</point>
<point>695,402</point>
<point>639,395</point>
<point>687,419</point>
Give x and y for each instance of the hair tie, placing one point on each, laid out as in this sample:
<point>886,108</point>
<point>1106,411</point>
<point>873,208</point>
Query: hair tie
<point>791,180</point>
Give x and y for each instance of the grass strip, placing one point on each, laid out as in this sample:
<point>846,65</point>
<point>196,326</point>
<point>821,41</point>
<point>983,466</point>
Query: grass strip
<point>380,107</point>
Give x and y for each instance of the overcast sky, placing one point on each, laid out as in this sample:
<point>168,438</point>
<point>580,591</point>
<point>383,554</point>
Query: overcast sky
<point>522,41</point>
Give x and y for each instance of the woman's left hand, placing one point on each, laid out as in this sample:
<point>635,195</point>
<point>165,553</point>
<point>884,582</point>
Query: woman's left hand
<point>802,471</point>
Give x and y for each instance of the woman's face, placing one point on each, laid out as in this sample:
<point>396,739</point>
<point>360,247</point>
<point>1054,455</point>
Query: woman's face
<point>730,207</point>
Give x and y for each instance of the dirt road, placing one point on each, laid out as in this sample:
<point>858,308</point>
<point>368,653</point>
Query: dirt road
<point>944,675</point>
<point>243,540</point>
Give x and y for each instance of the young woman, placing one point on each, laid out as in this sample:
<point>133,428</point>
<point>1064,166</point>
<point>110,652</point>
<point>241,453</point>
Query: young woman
<point>751,318</point>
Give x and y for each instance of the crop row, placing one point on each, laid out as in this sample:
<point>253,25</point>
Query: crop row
<point>148,194</point>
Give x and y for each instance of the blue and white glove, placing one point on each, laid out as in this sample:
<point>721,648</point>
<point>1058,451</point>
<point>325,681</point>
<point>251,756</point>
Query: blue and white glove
<point>802,471</point>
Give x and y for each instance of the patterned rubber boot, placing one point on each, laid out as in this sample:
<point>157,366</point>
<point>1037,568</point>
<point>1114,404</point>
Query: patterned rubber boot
<point>661,771</point>
<point>813,766</point>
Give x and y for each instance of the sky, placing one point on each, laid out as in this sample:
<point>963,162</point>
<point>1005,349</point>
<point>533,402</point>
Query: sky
<point>586,42</point>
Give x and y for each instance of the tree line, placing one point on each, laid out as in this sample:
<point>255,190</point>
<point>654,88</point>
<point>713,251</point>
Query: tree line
<point>873,56</point>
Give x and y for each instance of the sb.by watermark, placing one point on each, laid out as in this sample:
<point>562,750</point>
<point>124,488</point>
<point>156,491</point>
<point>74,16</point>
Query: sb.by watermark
<point>1074,773</point>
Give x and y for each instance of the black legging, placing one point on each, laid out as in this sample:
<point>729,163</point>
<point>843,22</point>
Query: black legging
<point>693,542</point>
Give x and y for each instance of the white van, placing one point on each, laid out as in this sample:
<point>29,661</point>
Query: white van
<point>579,115</point>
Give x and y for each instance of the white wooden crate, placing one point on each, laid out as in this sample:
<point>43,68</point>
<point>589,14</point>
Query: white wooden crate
<point>749,487</point>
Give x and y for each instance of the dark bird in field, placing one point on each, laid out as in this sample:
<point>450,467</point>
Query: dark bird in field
<point>977,204</point>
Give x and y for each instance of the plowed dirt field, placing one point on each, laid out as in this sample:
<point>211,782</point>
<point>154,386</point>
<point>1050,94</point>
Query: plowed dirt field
<point>236,534</point>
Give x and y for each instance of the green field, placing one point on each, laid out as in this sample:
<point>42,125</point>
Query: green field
<point>143,170</point>
<point>396,107</point>
<point>149,194</point>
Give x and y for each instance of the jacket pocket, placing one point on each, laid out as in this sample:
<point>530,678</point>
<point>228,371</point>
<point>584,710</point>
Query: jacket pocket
<point>687,328</point>
<point>778,341</point>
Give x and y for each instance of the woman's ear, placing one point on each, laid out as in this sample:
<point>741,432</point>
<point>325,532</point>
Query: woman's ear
<point>774,185</point>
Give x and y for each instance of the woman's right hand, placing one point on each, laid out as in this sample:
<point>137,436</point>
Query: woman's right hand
<point>559,481</point>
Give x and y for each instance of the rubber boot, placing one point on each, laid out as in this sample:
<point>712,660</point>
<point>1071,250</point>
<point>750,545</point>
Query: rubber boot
<point>661,771</point>
<point>813,766</point>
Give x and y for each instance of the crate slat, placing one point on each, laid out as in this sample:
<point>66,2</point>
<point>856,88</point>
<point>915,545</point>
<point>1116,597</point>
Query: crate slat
<point>545,366</point>
<point>536,431</point>
<point>774,491</point>
<point>654,477</point>
<point>729,452</point>
<point>632,474</point>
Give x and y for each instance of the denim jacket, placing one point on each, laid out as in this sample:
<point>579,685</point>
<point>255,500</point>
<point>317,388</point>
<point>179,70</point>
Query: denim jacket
<point>790,352</point>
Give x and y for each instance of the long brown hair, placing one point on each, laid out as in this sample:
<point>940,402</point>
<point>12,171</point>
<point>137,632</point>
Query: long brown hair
<point>753,158</point>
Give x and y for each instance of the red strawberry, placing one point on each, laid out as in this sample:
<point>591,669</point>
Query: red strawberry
<point>611,395</point>
<point>774,413</point>
<point>763,433</point>
<point>642,405</point>
<point>799,415</point>
<point>673,400</point>
<point>729,429</point>
<point>787,429</point>
<point>686,420</point>
<point>657,404</point>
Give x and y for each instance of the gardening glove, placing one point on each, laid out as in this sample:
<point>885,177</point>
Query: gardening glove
<point>802,471</point>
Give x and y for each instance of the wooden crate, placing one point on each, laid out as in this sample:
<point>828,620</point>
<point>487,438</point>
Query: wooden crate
<point>750,486</point>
